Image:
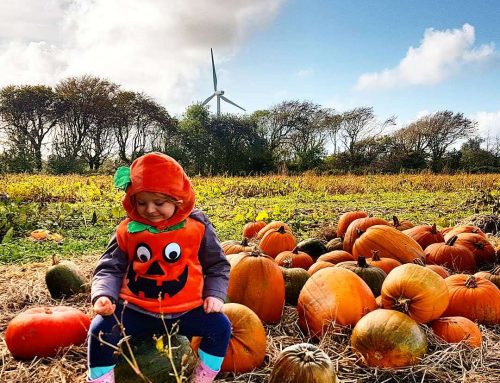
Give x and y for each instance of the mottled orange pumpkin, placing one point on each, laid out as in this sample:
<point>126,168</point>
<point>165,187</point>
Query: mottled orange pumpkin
<point>333,295</point>
<point>450,255</point>
<point>346,219</point>
<point>251,229</point>
<point>425,235</point>
<point>389,242</point>
<point>357,228</point>
<point>473,297</point>
<point>294,258</point>
<point>373,276</point>
<point>457,329</point>
<point>277,240</point>
<point>256,281</point>
<point>416,291</point>
<point>389,338</point>
<point>247,346</point>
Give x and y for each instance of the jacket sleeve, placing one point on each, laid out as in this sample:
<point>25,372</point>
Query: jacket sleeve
<point>213,261</point>
<point>109,272</point>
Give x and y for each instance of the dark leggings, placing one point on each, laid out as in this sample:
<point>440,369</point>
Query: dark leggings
<point>214,328</point>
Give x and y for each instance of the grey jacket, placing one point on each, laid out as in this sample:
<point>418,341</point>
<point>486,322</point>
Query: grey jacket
<point>112,266</point>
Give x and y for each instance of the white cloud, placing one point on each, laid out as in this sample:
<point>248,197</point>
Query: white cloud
<point>156,46</point>
<point>488,123</point>
<point>440,55</point>
<point>305,73</point>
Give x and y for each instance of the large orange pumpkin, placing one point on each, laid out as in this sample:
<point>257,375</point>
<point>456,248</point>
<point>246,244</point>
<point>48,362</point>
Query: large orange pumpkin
<point>41,331</point>
<point>346,219</point>
<point>256,281</point>
<point>251,229</point>
<point>425,235</point>
<point>473,297</point>
<point>357,228</point>
<point>457,329</point>
<point>333,295</point>
<point>247,346</point>
<point>388,338</point>
<point>275,241</point>
<point>389,242</point>
<point>451,256</point>
<point>416,291</point>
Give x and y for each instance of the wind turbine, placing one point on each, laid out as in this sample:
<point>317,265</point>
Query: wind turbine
<point>218,93</point>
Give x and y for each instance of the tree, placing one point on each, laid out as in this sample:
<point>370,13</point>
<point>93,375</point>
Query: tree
<point>474,158</point>
<point>29,115</point>
<point>84,108</point>
<point>140,125</point>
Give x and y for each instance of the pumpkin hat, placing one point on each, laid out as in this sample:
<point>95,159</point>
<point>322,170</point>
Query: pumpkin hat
<point>156,173</point>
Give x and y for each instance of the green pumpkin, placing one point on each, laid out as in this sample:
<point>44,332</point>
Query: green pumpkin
<point>295,278</point>
<point>334,244</point>
<point>312,246</point>
<point>153,362</point>
<point>64,279</point>
<point>373,276</point>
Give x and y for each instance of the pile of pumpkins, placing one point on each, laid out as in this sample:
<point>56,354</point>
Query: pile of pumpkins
<point>382,278</point>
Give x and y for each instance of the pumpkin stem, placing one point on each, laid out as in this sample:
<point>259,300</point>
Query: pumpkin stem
<point>434,229</point>
<point>375,255</point>
<point>359,232</point>
<point>47,310</point>
<point>308,356</point>
<point>471,282</point>
<point>281,230</point>
<point>55,260</point>
<point>452,240</point>
<point>395,221</point>
<point>295,250</point>
<point>255,252</point>
<point>244,241</point>
<point>479,245</point>
<point>362,262</point>
<point>495,270</point>
<point>402,304</point>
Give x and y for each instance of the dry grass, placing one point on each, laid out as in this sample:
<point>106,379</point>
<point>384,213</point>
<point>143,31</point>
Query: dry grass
<point>23,286</point>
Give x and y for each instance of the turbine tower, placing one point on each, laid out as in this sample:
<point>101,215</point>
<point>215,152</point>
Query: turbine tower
<point>218,93</point>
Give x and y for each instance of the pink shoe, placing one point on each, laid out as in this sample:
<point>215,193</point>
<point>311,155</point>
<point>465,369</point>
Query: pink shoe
<point>108,377</point>
<point>202,374</point>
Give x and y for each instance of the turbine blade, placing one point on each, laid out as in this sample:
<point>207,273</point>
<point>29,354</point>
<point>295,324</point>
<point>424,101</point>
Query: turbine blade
<point>230,102</point>
<point>208,99</point>
<point>213,69</point>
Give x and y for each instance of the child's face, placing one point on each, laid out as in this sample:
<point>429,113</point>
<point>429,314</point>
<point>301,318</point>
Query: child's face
<point>154,207</point>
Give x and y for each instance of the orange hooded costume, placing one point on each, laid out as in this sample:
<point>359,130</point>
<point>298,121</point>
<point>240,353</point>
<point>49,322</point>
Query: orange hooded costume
<point>164,273</point>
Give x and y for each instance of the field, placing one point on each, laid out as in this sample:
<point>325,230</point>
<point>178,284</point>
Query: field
<point>85,210</point>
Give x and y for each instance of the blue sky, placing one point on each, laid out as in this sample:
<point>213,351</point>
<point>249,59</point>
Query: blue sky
<point>403,58</point>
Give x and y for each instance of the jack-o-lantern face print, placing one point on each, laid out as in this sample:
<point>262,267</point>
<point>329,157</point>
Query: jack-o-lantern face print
<point>150,274</point>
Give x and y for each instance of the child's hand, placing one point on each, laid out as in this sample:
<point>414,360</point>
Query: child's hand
<point>212,305</point>
<point>104,306</point>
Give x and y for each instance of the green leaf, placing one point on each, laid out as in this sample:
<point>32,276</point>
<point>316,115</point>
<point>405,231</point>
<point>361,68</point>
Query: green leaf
<point>8,236</point>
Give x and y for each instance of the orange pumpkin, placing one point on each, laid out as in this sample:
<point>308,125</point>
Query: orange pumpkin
<point>294,258</point>
<point>473,297</point>
<point>388,338</point>
<point>251,229</point>
<point>492,275</point>
<point>333,295</point>
<point>319,265</point>
<point>247,346</point>
<point>235,247</point>
<point>425,235</point>
<point>483,250</point>
<point>451,256</point>
<point>272,225</point>
<point>457,329</point>
<point>357,228</point>
<point>389,242</point>
<point>416,291</point>
<point>463,229</point>
<point>336,256</point>
<point>401,225</point>
<point>256,281</point>
<point>386,264</point>
<point>275,241</point>
<point>346,219</point>
<point>440,270</point>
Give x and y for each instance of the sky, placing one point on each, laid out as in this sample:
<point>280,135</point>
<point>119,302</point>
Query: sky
<point>403,58</point>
